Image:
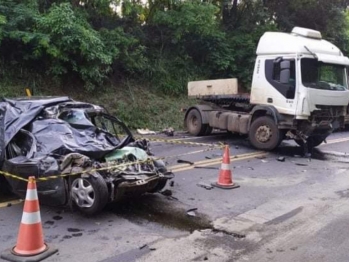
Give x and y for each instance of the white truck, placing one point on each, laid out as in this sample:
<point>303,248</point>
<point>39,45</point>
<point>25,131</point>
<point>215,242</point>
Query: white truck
<point>299,91</point>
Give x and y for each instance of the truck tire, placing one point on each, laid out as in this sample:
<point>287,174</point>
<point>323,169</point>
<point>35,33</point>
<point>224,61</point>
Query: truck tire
<point>89,194</point>
<point>264,133</point>
<point>194,123</point>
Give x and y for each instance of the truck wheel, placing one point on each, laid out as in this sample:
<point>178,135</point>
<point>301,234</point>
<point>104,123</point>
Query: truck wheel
<point>194,123</point>
<point>264,133</point>
<point>90,194</point>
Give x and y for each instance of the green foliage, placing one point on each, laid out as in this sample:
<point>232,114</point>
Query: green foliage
<point>73,46</point>
<point>127,51</point>
<point>186,44</point>
<point>2,23</point>
<point>328,17</point>
<point>161,42</point>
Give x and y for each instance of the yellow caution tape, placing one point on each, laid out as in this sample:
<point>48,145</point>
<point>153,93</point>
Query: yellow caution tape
<point>13,176</point>
<point>173,141</point>
<point>77,173</point>
<point>39,179</point>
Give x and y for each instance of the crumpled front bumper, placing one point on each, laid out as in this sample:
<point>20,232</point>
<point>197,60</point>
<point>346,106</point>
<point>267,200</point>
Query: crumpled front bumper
<point>139,186</point>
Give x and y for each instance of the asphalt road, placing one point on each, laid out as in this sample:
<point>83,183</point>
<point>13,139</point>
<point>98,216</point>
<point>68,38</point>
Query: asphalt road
<point>294,210</point>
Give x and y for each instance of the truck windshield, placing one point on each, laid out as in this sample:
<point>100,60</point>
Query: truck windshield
<point>316,74</point>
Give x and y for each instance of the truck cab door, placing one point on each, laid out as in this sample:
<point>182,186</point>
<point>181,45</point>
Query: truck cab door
<point>278,86</point>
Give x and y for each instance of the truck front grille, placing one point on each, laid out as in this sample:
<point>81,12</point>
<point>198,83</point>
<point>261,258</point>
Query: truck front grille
<point>326,113</point>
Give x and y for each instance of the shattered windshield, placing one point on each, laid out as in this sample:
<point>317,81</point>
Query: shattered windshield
<point>319,75</point>
<point>76,116</point>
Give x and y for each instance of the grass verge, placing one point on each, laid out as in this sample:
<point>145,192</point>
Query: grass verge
<point>137,105</point>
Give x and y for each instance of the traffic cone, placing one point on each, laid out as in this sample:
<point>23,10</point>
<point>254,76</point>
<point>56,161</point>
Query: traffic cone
<point>225,179</point>
<point>30,242</point>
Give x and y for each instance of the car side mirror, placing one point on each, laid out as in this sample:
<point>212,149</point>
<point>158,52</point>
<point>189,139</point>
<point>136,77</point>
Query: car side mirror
<point>285,72</point>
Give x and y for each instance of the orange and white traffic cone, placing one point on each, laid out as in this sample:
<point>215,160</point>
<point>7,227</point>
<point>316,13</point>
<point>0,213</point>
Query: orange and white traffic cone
<point>30,242</point>
<point>225,179</point>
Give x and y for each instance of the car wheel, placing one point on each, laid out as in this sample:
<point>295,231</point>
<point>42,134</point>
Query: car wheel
<point>264,133</point>
<point>162,182</point>
<point>160,186</point>
<point>89,194</point>
<point>194,123</point>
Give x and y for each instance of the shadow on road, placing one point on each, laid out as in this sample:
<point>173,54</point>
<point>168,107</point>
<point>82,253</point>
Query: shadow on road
<point>157,209</point>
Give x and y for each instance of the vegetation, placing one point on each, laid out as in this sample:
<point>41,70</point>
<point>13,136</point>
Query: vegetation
<point>104,47</point>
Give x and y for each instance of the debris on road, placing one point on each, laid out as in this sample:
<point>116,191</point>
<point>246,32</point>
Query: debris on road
<point>206,167</point>
<point>168,131</point>
<point>172,198</point>
<point>191,212</point>
<point>166,192</point>
<point>143,246</point>
<point>260,157</point>
<point>264,161</point>
<point>182,161</point>
<point>281,159</point>
<point>236,147</point>
<point>206,186</point>
<point>217,155</point>
<point>145,132</point>
<point>171,183</point>
<point>300,164</point>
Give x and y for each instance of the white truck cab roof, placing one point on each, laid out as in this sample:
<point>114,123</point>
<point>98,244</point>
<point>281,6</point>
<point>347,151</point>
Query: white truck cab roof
<point>301,41</point>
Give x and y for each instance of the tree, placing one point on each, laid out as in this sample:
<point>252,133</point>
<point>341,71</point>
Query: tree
<point>328,17</point>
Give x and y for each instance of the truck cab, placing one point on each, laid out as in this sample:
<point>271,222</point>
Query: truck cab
<point>299,91</point>
<point>304,78</point>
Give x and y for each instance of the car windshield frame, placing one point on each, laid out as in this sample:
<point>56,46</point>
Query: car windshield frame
<point>324,76</point>
<point>114,121</point>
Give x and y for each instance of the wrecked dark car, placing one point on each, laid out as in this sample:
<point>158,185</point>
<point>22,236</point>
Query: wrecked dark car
<point>50,136</point>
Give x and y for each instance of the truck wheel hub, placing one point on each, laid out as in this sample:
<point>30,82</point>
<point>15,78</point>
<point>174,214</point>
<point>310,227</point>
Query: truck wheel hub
<point>263,134</point>
<point>194,121</point>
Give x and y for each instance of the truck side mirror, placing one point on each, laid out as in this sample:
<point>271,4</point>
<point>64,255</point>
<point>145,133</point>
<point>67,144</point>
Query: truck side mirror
<point>285,72</point>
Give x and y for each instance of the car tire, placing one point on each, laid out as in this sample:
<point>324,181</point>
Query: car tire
<point>162,182</point>
<point>89,194</point>
<point>160,186</point>
<point>264,133</point>
<point>194,123</point>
